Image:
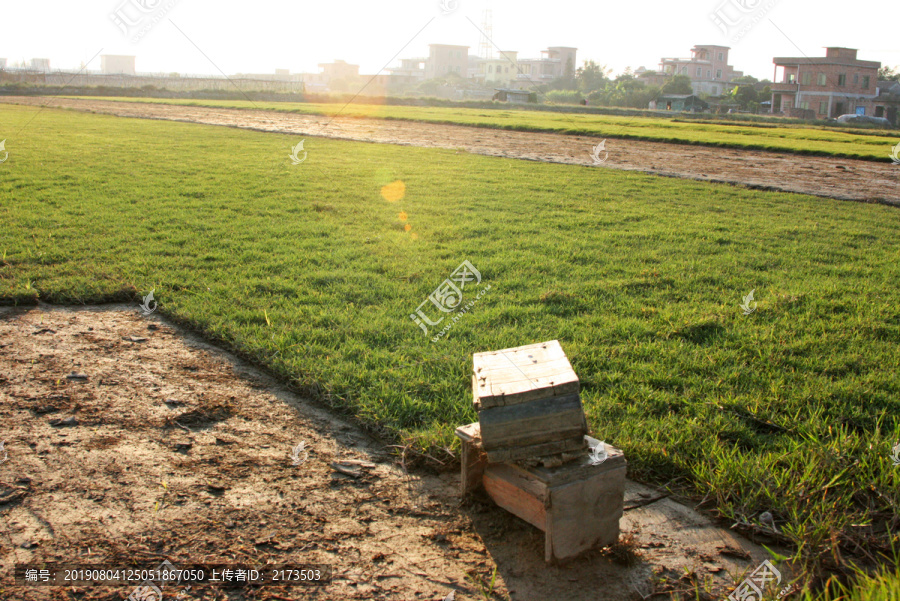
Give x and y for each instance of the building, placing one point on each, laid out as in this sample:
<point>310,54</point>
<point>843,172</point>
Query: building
<point>707,67</point>
<point>828,87</point>
<point>444,59</point>
<point>410,71</point>
<point>40,64</point>
<point>497,71</point>
<point>555,62</point>
<point>651,78</point>
<point>116,64</point>
<point>514,96</point>
<point>679,102</point>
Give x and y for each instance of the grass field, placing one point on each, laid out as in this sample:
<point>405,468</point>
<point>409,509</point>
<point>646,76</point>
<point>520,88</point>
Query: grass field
<point>868,145</point>
<point>314,269</point>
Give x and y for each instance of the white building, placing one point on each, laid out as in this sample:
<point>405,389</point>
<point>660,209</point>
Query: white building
<point>117,64</point>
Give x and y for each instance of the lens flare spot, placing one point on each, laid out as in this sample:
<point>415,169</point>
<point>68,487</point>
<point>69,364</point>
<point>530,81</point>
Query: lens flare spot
<point>403,216</point>
<point>407,227</point>
<point>394,191</point>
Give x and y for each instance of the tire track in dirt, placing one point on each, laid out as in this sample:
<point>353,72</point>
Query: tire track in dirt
<point>838,178</point>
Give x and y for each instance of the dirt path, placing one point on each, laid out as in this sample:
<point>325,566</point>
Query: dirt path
<point>843,179</point>
<point>180,451</point>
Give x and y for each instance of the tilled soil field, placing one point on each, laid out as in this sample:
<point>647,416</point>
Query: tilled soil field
<point>843,179</point>
<point>128,439</point>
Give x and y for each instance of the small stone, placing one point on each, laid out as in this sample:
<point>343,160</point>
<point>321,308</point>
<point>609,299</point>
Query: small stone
<point>77,377</point>
<point>63,423</point>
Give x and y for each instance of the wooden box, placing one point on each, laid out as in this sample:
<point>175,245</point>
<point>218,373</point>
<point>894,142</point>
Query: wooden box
<point>518,375</point>
<point>578,505</point>
<point>527,402</point>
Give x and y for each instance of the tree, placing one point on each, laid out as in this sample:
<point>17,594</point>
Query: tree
<point>746,96</point>
<point>679,84</point>
<point>591,77</point>
<point>885,73</point>
<point>745,79</point>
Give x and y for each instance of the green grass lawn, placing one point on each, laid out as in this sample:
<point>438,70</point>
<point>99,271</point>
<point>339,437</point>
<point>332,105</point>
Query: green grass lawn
<point>867,144</point>
<point>313,272</point>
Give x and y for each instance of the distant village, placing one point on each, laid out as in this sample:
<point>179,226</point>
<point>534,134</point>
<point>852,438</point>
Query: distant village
<point>824,87</point>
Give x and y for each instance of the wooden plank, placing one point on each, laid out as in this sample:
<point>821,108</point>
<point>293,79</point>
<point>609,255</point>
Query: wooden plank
<point>540,352</point>
<point>517,492</point>
<point>547,420</point>
<point>502,455</point>
<point>522,374</point>
<point>581,469</point>
<point>472,458</point>
<point>525,390</point>
<point>585,514</point>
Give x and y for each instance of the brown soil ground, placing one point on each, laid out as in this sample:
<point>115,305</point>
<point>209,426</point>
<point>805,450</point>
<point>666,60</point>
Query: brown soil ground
<point>183,452</point>
<point>843,179</point>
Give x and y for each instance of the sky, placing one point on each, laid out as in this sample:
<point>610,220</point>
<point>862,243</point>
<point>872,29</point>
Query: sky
<point>205,37</point>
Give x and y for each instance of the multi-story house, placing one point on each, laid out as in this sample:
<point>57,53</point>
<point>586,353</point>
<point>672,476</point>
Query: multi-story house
<point>444,59</point>
<point>707,67</point>
<point>828,86</point>
<point>555,62</point>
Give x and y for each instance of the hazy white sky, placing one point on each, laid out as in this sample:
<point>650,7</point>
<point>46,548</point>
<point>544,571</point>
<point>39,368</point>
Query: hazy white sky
<point>260,36</point>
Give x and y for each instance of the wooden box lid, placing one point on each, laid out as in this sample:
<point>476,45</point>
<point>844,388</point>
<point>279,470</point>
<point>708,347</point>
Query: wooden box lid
<point>522,374</point>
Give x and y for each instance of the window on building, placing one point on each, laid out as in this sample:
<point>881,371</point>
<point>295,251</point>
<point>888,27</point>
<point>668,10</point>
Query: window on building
<point>804,105</point>
<point>708,73</point>
<point>856,78</point>
<point>806,78</point>
<point>699,71</point>
<point>715,91</point>
<point>721,56</point>
<point>823,108</point>
<point>718,74</point>
<point>865,83</point>
<point>791,78</point>
<point>842,79</point>
<point>860,110</point>
<point>821,79</point>
<point>490,68</point>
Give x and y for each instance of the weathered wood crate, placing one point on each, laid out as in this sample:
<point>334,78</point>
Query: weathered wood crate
<point>578,505</point>
<point>527,401</point>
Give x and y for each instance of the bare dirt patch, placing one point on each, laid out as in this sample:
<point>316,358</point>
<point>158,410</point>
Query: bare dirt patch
<point>169,448</point>
<point>843,179</point>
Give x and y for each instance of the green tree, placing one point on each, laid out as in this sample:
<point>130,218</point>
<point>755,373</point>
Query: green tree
<point>746,96</point>
<point>679,84</point>
<point>886,73</point>
<point>592,77</point>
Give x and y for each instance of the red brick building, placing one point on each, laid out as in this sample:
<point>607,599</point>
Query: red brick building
<point>832,86</point>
